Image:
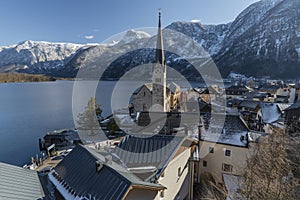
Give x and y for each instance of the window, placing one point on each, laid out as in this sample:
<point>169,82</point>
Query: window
<point>162,194</point>
<point>204,163</point>
<point>179,171</point>
<point>211,150</point>
<point>227,152</point>
<point>227,167</point>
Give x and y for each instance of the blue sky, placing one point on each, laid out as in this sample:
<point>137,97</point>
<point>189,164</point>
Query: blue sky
<point>89,21</point>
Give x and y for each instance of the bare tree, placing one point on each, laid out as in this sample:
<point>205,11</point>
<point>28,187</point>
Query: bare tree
<point>268,174</point>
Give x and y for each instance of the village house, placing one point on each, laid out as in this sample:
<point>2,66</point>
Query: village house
<point>292,117</point>
<point>223,149</point>
<point>139,167</point>
<point>248,110</point>
<point>285,94</point>
<point>236,91</point>
<point>270,115</point>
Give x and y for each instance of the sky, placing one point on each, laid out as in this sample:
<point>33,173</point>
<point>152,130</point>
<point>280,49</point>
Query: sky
<point>93,21</point>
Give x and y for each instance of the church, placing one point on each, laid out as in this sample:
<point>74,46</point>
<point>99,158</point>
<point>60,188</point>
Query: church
<point>157,96</point>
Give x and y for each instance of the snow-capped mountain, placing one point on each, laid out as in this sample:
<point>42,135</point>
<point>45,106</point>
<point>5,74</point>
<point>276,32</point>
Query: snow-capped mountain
<point>210,37</point>
<point>263,39</point>
<point>270,44</point>
<point>133,35</point>
<point>36,57</point>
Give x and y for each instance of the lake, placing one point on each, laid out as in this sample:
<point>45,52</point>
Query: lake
<point>29,110</point>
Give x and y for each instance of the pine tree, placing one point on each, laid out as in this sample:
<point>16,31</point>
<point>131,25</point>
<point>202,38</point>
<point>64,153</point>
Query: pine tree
<point>89,119</point>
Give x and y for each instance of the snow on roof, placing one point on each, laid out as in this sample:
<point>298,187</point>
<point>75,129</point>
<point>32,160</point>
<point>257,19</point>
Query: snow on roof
<point>283,106</point>
<point>233,132</point>
<point>270,112</point>
<point>254,136</point>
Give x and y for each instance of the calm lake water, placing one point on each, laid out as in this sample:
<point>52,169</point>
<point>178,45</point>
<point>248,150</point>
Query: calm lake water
<point>29,110</point>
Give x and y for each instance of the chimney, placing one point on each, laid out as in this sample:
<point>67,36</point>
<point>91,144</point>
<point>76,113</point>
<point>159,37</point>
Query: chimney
<point>99,165</point>
<point>108,159</point>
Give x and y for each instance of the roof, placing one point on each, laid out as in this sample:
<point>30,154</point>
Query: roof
<point>78,170</point>
<point>283,106</point>
<point>233,132</point>
<point>294,106</point>
<point>249,104</point>
<point>254,136</point>
<point>148,86</point>
<point>209,90</point>
<point>145,150</point>
<point>270,112</point>
<point>19,183</point>
<point>236,88</point>
<point>269,87</point>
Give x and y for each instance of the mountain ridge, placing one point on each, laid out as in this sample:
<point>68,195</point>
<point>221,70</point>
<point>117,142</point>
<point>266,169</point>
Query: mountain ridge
<point>263,38</point>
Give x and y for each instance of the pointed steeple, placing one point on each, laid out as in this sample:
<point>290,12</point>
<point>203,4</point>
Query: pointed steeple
<point>159,86</point>
<point>159,56</point>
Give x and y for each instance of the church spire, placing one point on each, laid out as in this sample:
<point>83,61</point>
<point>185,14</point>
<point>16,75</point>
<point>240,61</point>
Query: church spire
<point>159,93</point>
<point>159,56</point>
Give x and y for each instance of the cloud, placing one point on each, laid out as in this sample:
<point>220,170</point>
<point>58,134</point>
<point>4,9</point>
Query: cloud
<point>89,37</point>
<point>195,21</point>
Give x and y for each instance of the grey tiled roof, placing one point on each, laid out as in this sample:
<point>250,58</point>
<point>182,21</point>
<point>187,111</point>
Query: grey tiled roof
<point>19,183</point>
<point>231,132</point>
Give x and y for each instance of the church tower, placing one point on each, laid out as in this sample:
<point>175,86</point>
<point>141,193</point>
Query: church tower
<point>159,74</point>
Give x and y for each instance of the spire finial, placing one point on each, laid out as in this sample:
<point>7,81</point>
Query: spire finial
<point>159,12</point>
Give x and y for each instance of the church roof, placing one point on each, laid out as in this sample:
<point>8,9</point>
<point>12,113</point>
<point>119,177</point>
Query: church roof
<point>149,86</point>
<point>159,55</point>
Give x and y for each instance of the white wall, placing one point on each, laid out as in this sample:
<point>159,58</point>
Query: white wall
<point>215,160</point>
<point>171,180</point>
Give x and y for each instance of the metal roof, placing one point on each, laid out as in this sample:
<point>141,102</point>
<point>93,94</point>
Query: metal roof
<point>147,150</point>
<point>78,171</point>
<point>18,183</point>
<point>294,106</point>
